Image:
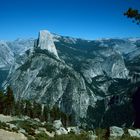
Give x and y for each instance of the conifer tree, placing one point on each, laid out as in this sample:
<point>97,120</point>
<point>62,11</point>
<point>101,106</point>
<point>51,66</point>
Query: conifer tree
<point>18,108</point>
<point>55,113</point>
<point>9,101</point>
<point>46,114</point>
<point>133,14</point>
<point>28,110</point>
<point>1,102</point>
<point>37,110</point>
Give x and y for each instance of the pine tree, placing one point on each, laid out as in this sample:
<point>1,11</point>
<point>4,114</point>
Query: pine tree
<point>28,110</point>
<point>18,109</point>
<point>9,101</point>
<point>2,102</point>
<point>46,114</point>
<point>133,14</point>
<point>37,110</point>
<point>55,113</point>
<point>64,118</point>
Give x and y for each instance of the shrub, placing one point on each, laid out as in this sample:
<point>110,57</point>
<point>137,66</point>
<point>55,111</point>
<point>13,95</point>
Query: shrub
<point>3,125</point>
<point>71,137</point>
<point>49,127</point>
<point>41,136</point>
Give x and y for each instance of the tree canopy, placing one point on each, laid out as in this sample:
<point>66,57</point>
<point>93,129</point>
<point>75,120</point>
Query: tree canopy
<point>133,14</point>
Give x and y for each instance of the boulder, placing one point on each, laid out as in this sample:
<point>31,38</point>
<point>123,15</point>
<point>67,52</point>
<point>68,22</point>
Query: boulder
<point>116,131</point>
<point>4,118</point>
<point>36,119</point>
<point>61,131</point>
<point>92,135</point>
<point>22,131</point>
<point>74,130</point>
<point>12,126</point>
<point>57,124</point>
<point>134,133</point>
<point>42,129</point>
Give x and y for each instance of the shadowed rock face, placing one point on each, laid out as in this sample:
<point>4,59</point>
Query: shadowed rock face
<point>136,103</point>
<point>86,79</point>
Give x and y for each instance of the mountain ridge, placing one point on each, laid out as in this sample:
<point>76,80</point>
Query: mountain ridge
<point>86,81</point>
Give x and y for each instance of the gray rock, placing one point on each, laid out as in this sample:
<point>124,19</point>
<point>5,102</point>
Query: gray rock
<point>12,126</point>
<point>116,131</point>
<point>74,130</point>
<point>61,131</point>
<point>57,124</point>
<point>36,119</point>
<point>22,131</point>
<point>134,133</point>
<point>45,41</point>
<point>6,56</point>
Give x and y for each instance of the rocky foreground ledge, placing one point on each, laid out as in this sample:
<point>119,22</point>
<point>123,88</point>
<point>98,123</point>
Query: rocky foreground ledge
<point>25,128</point>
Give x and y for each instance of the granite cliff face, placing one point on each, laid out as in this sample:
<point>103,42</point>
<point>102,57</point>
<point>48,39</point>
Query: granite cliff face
<point>90,80</point>
<point>6,56</point>
<point>45,42</point>
<point>6,61</point>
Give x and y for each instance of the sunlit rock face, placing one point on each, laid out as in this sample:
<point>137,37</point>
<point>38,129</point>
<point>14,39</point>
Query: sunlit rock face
<point>90,80</point>
<point>6,56</point>
<point>20,46</point>
<point>52,82</point>
<point>45,42</point>
<point>6,61</point>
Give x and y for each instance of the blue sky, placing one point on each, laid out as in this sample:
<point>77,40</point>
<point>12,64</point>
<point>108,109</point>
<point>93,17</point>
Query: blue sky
<point>89,19</point>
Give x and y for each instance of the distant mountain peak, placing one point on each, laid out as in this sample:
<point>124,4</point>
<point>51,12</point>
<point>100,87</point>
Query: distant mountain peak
<point>45,42</point>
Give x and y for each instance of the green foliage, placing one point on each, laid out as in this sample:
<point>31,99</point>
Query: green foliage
<point>28,125</point>
<point>127,137</point>
<point>49,127</point>
<point>37,110</point>
<point>28,110</point>
<point>55,113</point>
<point>117,115</point>
<point>8,106</point>
<point>133,14</point>
<point>49,71</point>
<point>97,113</point>
<point>26,65</point>
<point>2,101</point>
<point>103,134</point>
<point>46,114</point>
<point>9,101</point>
<point>71,137</point>
<point>30,137</point>
<point>19,108</point>
<point>3,125</point>
<point>44,136</point>
<point>41,136</point>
